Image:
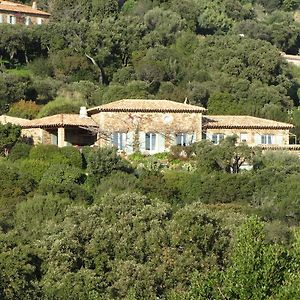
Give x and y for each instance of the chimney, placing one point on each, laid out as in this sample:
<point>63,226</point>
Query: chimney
<point>34,5</point>
<point>83,112</point>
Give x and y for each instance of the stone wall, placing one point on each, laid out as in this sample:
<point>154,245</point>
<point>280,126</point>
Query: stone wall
<point>162,123</point>
<point>281,136</point>
<point>35,134</point>
<point>20,18</point>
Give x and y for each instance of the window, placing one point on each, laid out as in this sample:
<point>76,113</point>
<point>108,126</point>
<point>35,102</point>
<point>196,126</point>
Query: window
<point>181,139</point>
<point>217,138</point>
<point>27,21</point>
<point>11,19</point>
<point>54,138</point>
<point>1,18</point>
<point>267,139</point>
<point>244,137</point>
<point>150,142</point>
<point>119,140</point>
<point>39,21</point>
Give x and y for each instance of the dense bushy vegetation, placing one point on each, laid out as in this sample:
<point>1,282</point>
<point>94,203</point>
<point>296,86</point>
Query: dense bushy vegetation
<point>91,225</point>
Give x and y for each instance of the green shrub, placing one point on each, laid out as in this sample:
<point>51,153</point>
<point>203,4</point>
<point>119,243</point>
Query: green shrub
<point>86,152</point>
<point>34,212</point>
<point>52,154</point>
<point>19,151</point>
<point>162,155</point>
<point>24,109</point>
<point>46,88</point>
<point>217,188</point>
<point>41,67</point>
<point>34,167</point>
<point>45,153</point>
<point>9,135</point>
<point>103,161</point>
<point>60,105</point>
<point>181,152</point>
<point>72,156</point>
<point>65,180</point>
<point>16,185</point>
<point>117,182</point>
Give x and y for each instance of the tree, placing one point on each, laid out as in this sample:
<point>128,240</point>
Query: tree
<point>257,269</point>
<point>24,109</point>
<point>223,103</point>
<point>228,156</point>
<point>9,135</point>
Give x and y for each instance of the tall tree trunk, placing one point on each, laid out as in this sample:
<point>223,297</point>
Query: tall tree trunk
<point>101,71</point>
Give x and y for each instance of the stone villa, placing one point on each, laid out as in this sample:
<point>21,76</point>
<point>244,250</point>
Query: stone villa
<point>16,13</point>
<point>151,126</point>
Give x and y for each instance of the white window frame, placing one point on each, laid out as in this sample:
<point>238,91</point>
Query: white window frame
<point>181,139</point>
<point>216,138</point>
<point>39,21</point>
<point>267,139</point>
<point>11,19</point>
<point>118,140</point>
<point>27,21</point>
<point>150,141</point>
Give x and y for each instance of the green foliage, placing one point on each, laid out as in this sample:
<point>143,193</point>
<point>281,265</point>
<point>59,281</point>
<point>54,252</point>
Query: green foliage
<point>60,105</point>
<point>24,109</point>
<point>64,180</point>
<point>72,156</point>
<point>222,55</point>
<point>19,151</point>
<point>12,88</point>
<point>15,187</point>
<point>223,104</point>
<point>46,88</point>
<point>41,67</point>
<point>9,135</point>
<point>227,156</point>
<point>33,213</point>
<point>101,162</point>
<point>257,269</point>
<point>19,269</point>
<point>52,154</point>
<point>49,153</point>
<point>117,182</point>
<point>34,167</point>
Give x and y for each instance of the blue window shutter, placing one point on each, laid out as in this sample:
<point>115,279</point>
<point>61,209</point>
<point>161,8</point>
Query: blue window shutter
<point>129,142</point>
<point>190,139</point>
<point>172,139</point>
<point>208,136</point>
<point>114,139</point>
<point>142,141</point>
<point>153,141</point>
<point>161,142</point>
<point>258,139</point>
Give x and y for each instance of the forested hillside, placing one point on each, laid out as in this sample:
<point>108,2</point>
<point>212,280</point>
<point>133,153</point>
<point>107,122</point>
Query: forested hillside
<point>224,55</point>
<point>91,225</point>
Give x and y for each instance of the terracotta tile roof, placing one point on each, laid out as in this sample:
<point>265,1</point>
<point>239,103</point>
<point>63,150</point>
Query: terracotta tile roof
<point>144,105</point>
<point>13,120</point>
<point>291,147</point>
<point>242,122</point>
<point>61,120</point>
<point>20,8</point>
